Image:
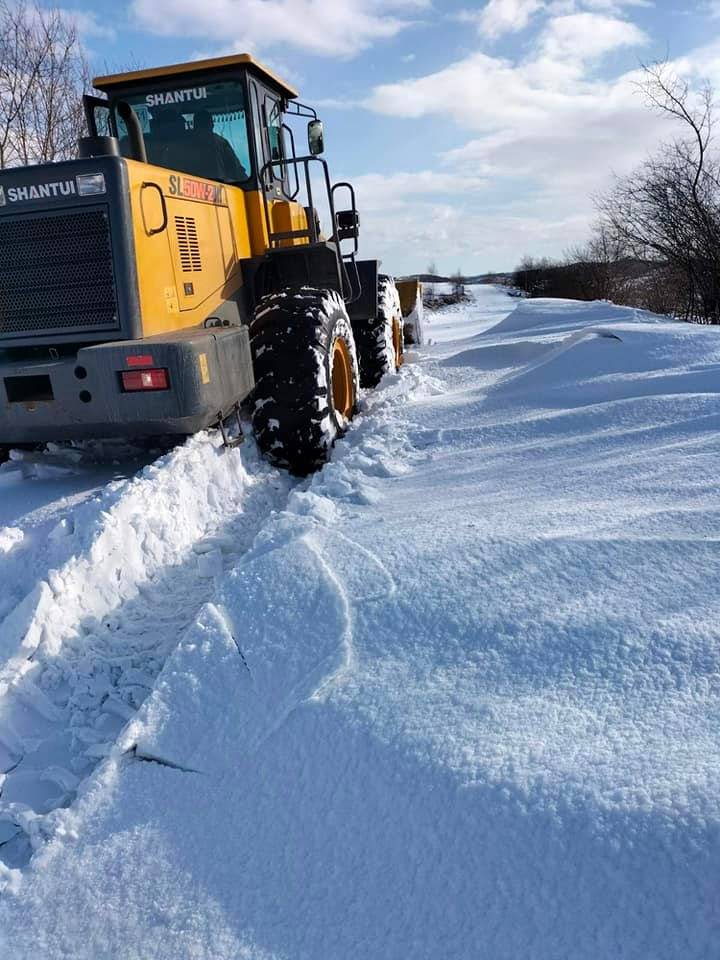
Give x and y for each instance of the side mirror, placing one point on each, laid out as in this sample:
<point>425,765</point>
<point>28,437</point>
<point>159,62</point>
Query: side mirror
<point>348,224</point>
<point>316,141</point>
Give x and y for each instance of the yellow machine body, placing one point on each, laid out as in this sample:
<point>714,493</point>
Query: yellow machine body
<point>187,270</point>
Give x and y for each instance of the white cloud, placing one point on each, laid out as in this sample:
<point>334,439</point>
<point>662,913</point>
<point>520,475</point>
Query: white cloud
<point>329,28</point>
<point>616,7</point>
<point>587,36</point>
<point>378,192</point>
<point>518,102</point>
<point>502,16</point>
<point>89,25</point>
<point>477,238</point>
<point>409,218</point>
<point>547,132</point>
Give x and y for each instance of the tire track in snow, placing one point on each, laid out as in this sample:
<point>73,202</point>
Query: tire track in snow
<point>88,642</point>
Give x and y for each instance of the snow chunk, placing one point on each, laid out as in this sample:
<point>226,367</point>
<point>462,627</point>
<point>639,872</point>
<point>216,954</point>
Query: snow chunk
<point>10,537</point>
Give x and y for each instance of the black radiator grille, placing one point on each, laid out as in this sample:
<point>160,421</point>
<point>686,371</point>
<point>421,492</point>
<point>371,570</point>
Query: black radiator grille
<point>56,274</point>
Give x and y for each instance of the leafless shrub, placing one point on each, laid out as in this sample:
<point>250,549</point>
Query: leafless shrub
<point>457,281</point>
<point>667,212</point>
<point>537,277</point>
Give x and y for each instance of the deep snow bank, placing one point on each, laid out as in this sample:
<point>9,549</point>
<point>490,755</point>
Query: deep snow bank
<point>458,699</point>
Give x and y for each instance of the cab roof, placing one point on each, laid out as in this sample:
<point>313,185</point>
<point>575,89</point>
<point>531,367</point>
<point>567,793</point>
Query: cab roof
<point>108,83</point>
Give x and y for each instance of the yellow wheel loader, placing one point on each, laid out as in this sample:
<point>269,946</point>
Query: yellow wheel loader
<point>178,269</point>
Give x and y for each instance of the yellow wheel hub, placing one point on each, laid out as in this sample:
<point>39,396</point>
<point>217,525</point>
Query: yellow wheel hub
<point>397,343</point>
<point>343,384</point>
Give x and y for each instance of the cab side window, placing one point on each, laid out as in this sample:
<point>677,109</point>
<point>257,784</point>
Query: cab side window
<point>269,140</point>
<point>274,128</point>
<point>257,126</point>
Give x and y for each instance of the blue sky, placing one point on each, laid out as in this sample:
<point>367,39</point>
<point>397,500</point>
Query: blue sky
<point>475,132</point>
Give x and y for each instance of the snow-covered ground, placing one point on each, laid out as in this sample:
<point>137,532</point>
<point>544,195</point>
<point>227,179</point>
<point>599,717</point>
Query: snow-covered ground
<point>456,696</point>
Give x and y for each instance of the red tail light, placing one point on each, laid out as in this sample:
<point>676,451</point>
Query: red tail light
<point>155,379</point>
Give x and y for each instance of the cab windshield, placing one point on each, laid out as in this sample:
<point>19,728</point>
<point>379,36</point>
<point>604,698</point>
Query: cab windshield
<point>200,129</point>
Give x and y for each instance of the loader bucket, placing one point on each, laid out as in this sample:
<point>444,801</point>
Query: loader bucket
<point>411,303</point>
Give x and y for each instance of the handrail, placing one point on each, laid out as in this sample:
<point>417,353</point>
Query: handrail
<point>344,184</point>
<point>295,162</point>
<point>351,291</point>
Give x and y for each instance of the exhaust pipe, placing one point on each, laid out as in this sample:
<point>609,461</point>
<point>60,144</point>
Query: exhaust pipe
<point>98,147</point>
<point>135,133</point>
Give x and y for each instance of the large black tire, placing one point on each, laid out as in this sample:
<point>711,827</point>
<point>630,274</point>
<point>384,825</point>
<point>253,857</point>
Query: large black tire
<point>4,454</point>
<point>379,340</point>
<point>306,376</point>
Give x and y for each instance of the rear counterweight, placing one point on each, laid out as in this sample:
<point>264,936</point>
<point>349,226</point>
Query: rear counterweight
<point>83,395</point>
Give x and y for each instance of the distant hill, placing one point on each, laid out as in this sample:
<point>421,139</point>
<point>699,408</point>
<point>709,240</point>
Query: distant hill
<point>475,278</point>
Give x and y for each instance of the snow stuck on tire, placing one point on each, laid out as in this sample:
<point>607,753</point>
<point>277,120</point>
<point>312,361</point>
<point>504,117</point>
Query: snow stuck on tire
<point>374,335</point>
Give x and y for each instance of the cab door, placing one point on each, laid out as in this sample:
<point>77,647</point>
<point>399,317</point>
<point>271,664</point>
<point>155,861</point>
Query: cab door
<point>280,186</point>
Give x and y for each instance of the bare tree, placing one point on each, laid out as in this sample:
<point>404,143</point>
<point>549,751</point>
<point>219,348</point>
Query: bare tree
<point>536,277</point>
<point>429,286</point>
<point>43,72</point>
<point>458,285</point>
<point>668,211</point>
<point>521,277</point>
<point>526,275</point>
<point>600,267</point>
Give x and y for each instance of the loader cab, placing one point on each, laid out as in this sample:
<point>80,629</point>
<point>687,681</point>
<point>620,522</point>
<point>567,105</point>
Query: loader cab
<point>230,120</point>
<point>220,119</point>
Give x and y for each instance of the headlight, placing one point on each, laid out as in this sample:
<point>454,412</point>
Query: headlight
<point>89,184</point>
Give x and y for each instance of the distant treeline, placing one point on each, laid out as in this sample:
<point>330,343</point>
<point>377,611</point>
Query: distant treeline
<point>466,279</point>
<point>657,240</point>
<point>626,280</point>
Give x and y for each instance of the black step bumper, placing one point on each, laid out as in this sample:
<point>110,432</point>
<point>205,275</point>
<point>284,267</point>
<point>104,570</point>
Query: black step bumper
<point>81,395</point>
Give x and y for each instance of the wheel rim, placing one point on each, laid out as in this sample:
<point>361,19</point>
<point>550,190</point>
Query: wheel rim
<point>397,343</point>
<point>343,386</point>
